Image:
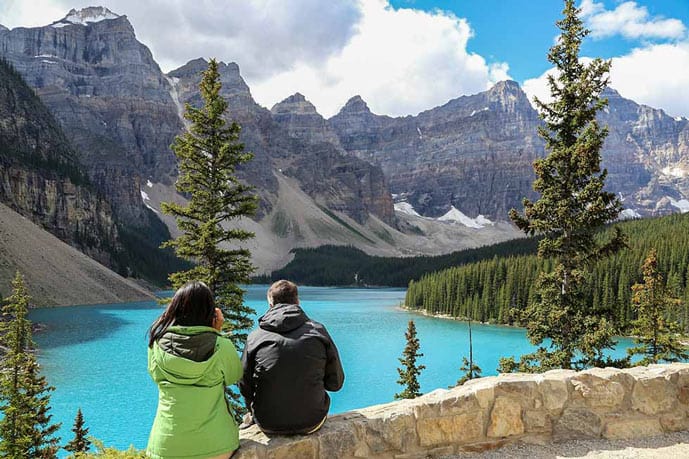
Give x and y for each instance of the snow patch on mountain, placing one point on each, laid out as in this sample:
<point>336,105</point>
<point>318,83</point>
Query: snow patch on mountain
<point>682,204</point>
<point>456,215</point>
<point>146,199</point>
<point>628,214</point>
<point>85,16</point>
<point>675,171</point>
<point>406,208</point>
<point>484,109</point>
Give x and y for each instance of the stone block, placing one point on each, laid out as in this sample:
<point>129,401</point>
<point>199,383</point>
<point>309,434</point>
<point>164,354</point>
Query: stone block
<point>506,418</point>
<point>302,447</point>
<point>250,451</point>
<point>682,384</point>
<point>456,429</point>
<point>554,393</point>
<point>536,421</point>
<point>518,388</point>
<point>674,421</point>
<point>457,404</point>
<point>654,394</point>
<point>597,392</point>
<point>338,440</point>
<point>577,423</point>
<point>624,426</point>
<point>395,433</point>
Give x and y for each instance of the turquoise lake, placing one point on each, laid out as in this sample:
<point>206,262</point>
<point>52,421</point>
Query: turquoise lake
<point>95,356</point>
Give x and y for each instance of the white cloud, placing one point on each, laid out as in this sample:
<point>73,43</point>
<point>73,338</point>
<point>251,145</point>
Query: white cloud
<point>400,61</point>
<point>629,20</point>
<point>538,87</point>
<point>30,13</point>
<point>656,75</point>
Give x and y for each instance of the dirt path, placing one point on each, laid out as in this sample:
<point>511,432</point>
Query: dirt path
<point>671,446</point>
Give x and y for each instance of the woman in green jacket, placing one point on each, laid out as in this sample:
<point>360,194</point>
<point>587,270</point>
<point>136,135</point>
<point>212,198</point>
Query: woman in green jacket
<point>191,362</point>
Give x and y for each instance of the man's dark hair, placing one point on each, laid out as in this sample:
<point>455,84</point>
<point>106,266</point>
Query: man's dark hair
<point>283,291</point>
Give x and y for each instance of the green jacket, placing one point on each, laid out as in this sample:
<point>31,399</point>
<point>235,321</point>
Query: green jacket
<point>192,366</point>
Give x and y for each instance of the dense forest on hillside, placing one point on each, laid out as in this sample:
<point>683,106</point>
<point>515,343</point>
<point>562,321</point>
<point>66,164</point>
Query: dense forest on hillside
<point>343,265</point>
<point>487,290</point>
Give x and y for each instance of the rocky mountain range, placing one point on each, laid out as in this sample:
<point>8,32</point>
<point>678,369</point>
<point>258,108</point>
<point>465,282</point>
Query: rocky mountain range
<point>474,154</point>
<point>438,181</point>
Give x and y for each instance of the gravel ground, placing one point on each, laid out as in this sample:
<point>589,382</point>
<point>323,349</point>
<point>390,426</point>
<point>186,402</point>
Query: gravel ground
<point>671,446</point>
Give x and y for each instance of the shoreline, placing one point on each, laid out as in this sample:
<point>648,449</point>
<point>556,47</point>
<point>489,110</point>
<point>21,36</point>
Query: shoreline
<point>424,312</point>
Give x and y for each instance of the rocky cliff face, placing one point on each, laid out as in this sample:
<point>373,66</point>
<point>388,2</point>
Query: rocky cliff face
<point>647,156</point>
<point>292,139</point>
<point>473,153</point>
<point>476,153</point>
<point>41,178</point>
<point>108,94</point>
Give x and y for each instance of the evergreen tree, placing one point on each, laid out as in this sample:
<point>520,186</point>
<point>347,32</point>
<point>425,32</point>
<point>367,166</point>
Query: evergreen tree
<point>209,154</point>
<point>410,371</point>
<point>655,331</point>
<point>80,443</point>
<point>469,368</point>
<point>25,430</point>
<point>571,206</point>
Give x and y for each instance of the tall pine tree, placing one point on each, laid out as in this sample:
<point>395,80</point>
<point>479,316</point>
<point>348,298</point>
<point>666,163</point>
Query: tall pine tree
<point>410,371</point>
<point>80,443</point>
<point>571,207</point>
<point>657,334</point>
<point>25,429</point>
<point>209,154</point>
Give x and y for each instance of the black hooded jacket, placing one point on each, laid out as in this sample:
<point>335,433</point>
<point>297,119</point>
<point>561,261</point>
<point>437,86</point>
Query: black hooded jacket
<point>289,362</point>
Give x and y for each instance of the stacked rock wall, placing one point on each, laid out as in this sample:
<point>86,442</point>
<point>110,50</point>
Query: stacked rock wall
<point>490,412</point>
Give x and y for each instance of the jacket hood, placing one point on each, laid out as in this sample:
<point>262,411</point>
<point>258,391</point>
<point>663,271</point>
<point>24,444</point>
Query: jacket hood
<point>282,318</point>
<point>185,354</point>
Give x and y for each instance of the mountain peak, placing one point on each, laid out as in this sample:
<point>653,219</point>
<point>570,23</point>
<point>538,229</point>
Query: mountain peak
<point>355,105</point>
<point>508,94</point>
<point>295,104</point>
<point>86,16</point>
<point>610,92</point>
<point>193,67</point>
<point>506,86</point>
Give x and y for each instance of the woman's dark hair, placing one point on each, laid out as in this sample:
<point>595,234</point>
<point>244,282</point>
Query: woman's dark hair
<point>193,304</point>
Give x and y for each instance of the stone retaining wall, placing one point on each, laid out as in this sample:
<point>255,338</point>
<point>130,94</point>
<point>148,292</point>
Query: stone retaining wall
<point>493,411</point>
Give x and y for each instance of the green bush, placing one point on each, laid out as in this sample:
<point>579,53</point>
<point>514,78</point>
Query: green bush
<point>103,452</point>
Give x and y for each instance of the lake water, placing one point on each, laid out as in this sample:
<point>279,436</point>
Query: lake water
<point>95,356</point>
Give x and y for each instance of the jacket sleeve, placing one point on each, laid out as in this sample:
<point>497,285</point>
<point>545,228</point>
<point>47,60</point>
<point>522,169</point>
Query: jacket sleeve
<point>231,366</point>
<point>334,374</point>
<point>246,384</point>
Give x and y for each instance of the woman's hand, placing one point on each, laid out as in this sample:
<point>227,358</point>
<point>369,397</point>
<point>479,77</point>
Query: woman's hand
<point>218,320</point>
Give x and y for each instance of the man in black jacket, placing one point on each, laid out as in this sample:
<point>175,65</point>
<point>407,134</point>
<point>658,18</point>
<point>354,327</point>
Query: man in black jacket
<point>289,362</point>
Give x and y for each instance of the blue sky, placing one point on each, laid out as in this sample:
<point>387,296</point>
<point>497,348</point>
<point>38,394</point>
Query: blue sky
<point>520,32</point>
<point>400,56</point>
